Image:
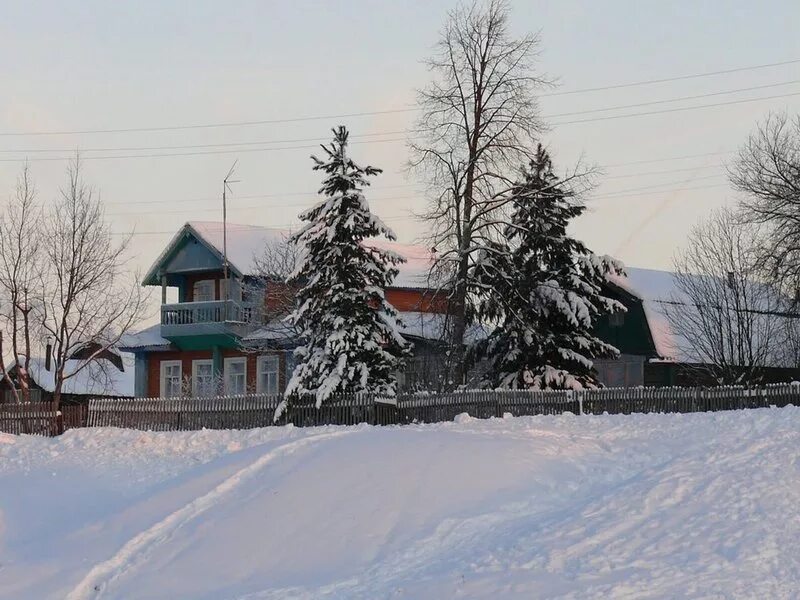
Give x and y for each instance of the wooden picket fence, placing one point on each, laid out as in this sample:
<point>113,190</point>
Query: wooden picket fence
<point>184,414</point>
<point>250,411</point>
<point>36,418</point>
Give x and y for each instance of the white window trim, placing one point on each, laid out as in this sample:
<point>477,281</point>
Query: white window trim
<point>163,380</point>
<point>260,361</point>
<point>195,364</point>
<point>233,360</point>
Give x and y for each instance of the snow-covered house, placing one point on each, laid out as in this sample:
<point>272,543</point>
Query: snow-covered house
<point>110,374</point>
<point>236,339</point>
<point>652,352</point>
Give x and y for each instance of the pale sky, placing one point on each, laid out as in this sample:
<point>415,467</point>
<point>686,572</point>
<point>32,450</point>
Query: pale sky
<point>114,65</point>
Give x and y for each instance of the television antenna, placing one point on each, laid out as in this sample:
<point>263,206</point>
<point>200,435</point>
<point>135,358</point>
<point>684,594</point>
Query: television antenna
<point>226,187</point>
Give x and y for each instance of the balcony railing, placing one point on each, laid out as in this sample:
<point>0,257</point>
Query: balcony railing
<point>198,318</point>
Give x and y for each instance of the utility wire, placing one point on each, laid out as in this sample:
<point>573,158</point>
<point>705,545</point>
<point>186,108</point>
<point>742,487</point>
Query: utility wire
<point>377,112</point>
<point>391,140</point>
<point>668,79</point>
<point>384,133</point>
<point>311,195</point>
<point>670,100</point>
<point>680,109</point>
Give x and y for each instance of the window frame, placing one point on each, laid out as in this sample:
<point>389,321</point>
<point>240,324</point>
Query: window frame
<point>226,374</point>
<point>164,364</point>
<point>260,362</point>
<point>213,285</point>
<point>197,363</point>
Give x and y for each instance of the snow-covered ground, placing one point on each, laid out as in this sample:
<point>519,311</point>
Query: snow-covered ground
<point>643,506</point>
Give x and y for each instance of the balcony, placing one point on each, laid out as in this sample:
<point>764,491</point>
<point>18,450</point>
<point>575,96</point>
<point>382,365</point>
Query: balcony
<point>197,324</point>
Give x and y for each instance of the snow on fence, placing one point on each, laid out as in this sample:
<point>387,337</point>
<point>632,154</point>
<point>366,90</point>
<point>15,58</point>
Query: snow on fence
<point>245,412</point>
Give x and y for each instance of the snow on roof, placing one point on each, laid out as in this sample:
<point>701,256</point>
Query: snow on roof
<point>655,289</point>
<point>100,377</point>
<point>658,292</point>
<point>415,272</point>
<point>246,243</point>
<point>431,326</point>
<point>146,338</point>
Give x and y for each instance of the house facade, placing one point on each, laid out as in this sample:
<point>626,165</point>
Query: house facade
<point>228,333</point>
<point>221,326</point>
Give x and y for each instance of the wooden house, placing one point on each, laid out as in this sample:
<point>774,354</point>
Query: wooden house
<point>229,334</point>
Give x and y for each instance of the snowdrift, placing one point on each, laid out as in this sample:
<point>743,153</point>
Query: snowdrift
<point>657,506</point>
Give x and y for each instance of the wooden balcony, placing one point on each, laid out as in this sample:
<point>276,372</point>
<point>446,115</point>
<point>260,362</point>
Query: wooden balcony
<point>197,324</point>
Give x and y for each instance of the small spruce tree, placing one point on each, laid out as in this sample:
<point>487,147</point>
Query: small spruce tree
<point>351,336</point>
<point>543,290</point>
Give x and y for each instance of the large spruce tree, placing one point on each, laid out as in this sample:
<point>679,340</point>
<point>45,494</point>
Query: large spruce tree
<point>543,290</point>
<point>350,333</point>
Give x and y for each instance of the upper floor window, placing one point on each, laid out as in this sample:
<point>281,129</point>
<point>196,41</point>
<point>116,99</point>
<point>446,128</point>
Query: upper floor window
<point>235,290</point>
<point>235,376</point>
<point>617,319</point>
<point>203,291</point>
<point>171,378</point>
<point>267,381</point>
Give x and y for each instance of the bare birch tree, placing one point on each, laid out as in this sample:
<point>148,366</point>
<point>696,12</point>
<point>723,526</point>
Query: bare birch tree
<point>727,319</point>
<point>87,298</point>
<point>767,172</point>
<point>273,267</point>
<point>479,124</point>
<point>20,273</point>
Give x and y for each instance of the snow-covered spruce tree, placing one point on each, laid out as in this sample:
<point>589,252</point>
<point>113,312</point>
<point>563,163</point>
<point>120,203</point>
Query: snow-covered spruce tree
<point>351,337</point>
<point>543,291</point>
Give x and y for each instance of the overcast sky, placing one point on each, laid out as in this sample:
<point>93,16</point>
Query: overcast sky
<point>114,65</point>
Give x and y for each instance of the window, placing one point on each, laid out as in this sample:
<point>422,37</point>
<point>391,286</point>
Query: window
<point>171,378</point>
<point>236,290</point>
<point>617,319</point>
<point>203,291</point>
<point>203,380</point>
<point>235,375</point>
<point>267,370</point>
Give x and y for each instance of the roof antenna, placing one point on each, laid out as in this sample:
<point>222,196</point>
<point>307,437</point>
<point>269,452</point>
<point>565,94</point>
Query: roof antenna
<point>225,188</point>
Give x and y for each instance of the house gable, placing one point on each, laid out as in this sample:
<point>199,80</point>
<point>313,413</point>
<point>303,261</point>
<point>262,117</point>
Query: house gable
<point>191,255</point>
<point>187,252</point>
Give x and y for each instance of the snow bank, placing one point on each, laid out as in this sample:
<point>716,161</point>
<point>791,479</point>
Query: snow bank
<point>665,506</point>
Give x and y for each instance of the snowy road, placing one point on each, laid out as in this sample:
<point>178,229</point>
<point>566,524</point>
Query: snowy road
<point>658,506</point>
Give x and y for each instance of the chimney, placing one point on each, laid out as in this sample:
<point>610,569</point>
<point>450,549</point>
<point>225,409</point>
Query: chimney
<point>48,354</point>
<point>731,280</point>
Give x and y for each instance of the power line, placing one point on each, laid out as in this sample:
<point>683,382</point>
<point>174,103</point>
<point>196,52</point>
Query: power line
<point>190,146</point>
<point>384,133</point>
<point>671,158</point>
<point>311,195</point>
<point>619,194</point>
<point>668,79</point>
<point>679,109</point>
<point>669,100</point>
<point>372,113</point>
<point>656,192</point>
<point>391,140</point>
<point>171,154</point>
<point>211,125</point>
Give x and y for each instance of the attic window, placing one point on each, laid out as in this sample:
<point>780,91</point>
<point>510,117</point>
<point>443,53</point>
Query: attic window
<point>617,319</point>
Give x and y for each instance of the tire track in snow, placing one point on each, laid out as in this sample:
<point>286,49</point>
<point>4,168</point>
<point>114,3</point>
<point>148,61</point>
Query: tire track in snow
<point>95,582</point>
